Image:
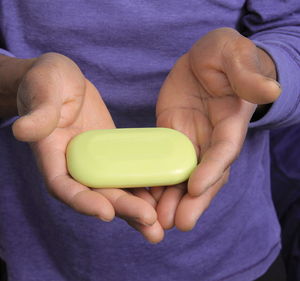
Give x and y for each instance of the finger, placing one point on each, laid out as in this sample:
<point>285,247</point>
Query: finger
<point>154,233</point>
<point>145,195</point>
<point>168,203</point>
<point>226,142</point>
<point>38,124</point>
<point>191,208</point>
<point>212,166</point>
<point>81,198</point>
<point>130,206</point>
<point>49,96</point>
<point>224,54</point>
<point>247,69</point>
<point>39,103</point>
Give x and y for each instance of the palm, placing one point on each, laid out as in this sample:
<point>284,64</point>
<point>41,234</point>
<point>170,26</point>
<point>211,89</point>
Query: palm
<point>201,118</point>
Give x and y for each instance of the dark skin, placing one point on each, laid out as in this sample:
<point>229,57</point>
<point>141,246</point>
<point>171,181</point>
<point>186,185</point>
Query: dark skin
<point>210,95</point>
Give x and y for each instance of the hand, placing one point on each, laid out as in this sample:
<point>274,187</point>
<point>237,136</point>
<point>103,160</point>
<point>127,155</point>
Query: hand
<point>56,103</point>
<point>210,95</point>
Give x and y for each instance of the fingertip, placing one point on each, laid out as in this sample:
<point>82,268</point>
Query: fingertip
<point>273,91</point>
<point>165,220</point>
<point>93,204</point>
<point>148,215</point>
<point>132,206</point>
<point>165,216</point>
<point>106,214</point>
<point>157,234</point>
<point>34,126</point>
<point>153,234</point>
<point>183,220</point>
<point>186,228</point>
<point>168,204</point>
<point>22,129</point>
<point>106,217</point>
<point>258,89</point>
<point>148,218</point>
<point>194,192</point>
<point>184,225</point>
<point>189,211</point>
<point>167,224</point>
<point>157,239</point>
<point>196,187</point>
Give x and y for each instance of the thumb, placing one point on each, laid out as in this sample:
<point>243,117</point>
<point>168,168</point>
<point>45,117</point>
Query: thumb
<point>37,124</point>
<point>250,71</point>
<point>39,105</point>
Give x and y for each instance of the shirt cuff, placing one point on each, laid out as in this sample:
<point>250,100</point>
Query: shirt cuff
<point>285,111</point>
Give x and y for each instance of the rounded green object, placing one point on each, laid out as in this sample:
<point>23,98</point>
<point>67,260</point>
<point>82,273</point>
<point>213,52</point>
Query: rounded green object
<point>135,157</point>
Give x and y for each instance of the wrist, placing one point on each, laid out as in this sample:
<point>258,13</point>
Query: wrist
<point>12,71</point>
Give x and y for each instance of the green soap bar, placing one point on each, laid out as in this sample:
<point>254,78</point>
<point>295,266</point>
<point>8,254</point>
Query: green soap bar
<point>131,157</point>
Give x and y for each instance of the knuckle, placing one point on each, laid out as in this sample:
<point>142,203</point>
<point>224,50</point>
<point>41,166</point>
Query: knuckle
<point>238,51</point>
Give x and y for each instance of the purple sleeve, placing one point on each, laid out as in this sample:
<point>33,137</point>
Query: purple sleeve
<point>6,121</point>
<point>6,53</point>
<point>275,27</point>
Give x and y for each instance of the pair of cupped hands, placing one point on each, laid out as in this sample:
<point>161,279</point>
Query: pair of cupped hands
<point>210,95</point>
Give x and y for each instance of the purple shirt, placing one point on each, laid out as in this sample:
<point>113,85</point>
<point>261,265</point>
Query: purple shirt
<point>126,48</point>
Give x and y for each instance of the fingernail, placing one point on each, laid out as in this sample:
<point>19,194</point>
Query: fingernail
<point>274,81</point>
<point>104,219</point>
<point>278,84</point>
